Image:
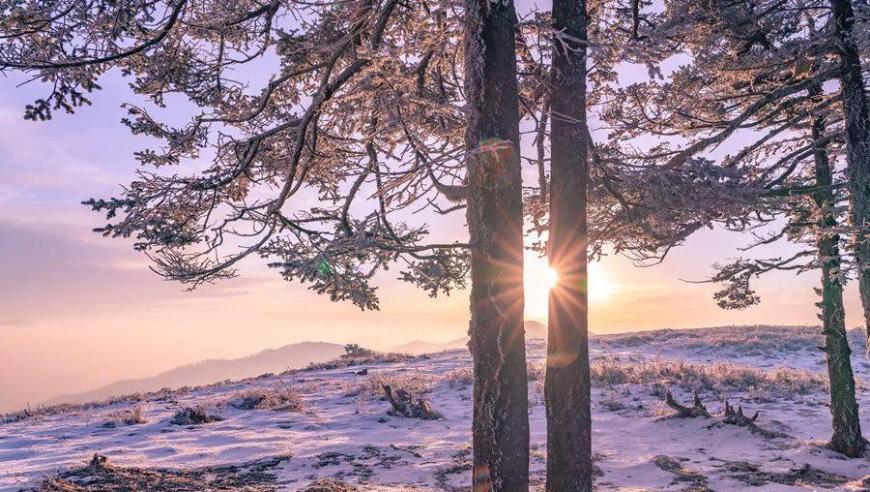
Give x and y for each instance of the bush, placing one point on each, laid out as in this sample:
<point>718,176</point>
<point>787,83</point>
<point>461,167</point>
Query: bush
<point>354,350</point>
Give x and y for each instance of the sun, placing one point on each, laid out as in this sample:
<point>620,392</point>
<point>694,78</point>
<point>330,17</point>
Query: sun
<point>551,277</point>
<point>539,278</point>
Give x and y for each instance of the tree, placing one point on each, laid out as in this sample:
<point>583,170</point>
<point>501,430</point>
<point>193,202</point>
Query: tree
<point>362,100</point>
<point>751,71</point>
<point>567,382</point>
<point>495,223</point>
<point>856,110</point>
<point>626,203</point>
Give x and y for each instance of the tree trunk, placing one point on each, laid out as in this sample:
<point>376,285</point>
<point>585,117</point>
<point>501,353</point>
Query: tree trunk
<point>567,385</point>
<point>856,109</point>
<point>495,222</point>
<point>846,437</point>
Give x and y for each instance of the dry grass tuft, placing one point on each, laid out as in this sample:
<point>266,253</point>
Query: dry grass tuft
<point>134,416</point>
<point>193,416</point>
<point>416,383</point>
<point>459,378</point>
<point>285,399</point>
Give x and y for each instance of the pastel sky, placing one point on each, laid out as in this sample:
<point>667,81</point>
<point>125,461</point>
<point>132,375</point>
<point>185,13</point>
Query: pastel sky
<point>78,310</point>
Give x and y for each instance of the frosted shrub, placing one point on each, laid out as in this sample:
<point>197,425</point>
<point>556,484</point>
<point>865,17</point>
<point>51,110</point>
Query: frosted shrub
<point>416,383</point>
<point>285,399</point>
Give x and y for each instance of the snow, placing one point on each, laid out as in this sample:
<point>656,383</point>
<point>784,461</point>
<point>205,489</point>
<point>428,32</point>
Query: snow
<point>345,430</point>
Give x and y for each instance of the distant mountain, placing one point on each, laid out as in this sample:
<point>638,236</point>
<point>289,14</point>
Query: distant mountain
<point>214,370</point>
<point>421,347</point>
<point>534,330</point>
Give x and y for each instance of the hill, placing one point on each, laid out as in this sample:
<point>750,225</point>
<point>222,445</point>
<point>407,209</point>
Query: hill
<point>291,356</point>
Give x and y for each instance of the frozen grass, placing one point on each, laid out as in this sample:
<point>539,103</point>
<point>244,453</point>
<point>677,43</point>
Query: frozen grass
<point>717,377</point>
<point>132,416</point>
<point>416,383</point>
<point>736,340</point>
<point>459,378</point>
<point>284,399</point>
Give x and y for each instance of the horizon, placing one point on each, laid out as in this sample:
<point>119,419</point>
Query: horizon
<point>73,396</point>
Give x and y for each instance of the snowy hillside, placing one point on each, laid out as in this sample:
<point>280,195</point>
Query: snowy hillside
<point>286,432</point>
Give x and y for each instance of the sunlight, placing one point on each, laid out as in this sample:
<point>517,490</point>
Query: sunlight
<point>539,278</point>
<point>601,287</point>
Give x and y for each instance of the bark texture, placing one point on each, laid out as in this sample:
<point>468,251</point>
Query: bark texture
<point>500,423</point>
<point>846,424</point>
<point>856,109</point>
<point>567,385</point>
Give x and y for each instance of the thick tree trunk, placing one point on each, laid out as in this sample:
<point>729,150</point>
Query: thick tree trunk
<point>567,386</point>
<point>846,437</point>
<point>856,109</point>
<point>495,222</point>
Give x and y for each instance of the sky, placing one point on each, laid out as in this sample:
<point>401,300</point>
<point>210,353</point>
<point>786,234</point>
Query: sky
<point>78,310</point>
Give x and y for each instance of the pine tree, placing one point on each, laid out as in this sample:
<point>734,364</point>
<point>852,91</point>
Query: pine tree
<point>495,224</point>
<point>361,110</point>
<point>763,68</point>
<point>567,384</point>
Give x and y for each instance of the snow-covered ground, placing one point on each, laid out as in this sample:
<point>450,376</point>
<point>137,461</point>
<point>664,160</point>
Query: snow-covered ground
<point>334,423</point>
